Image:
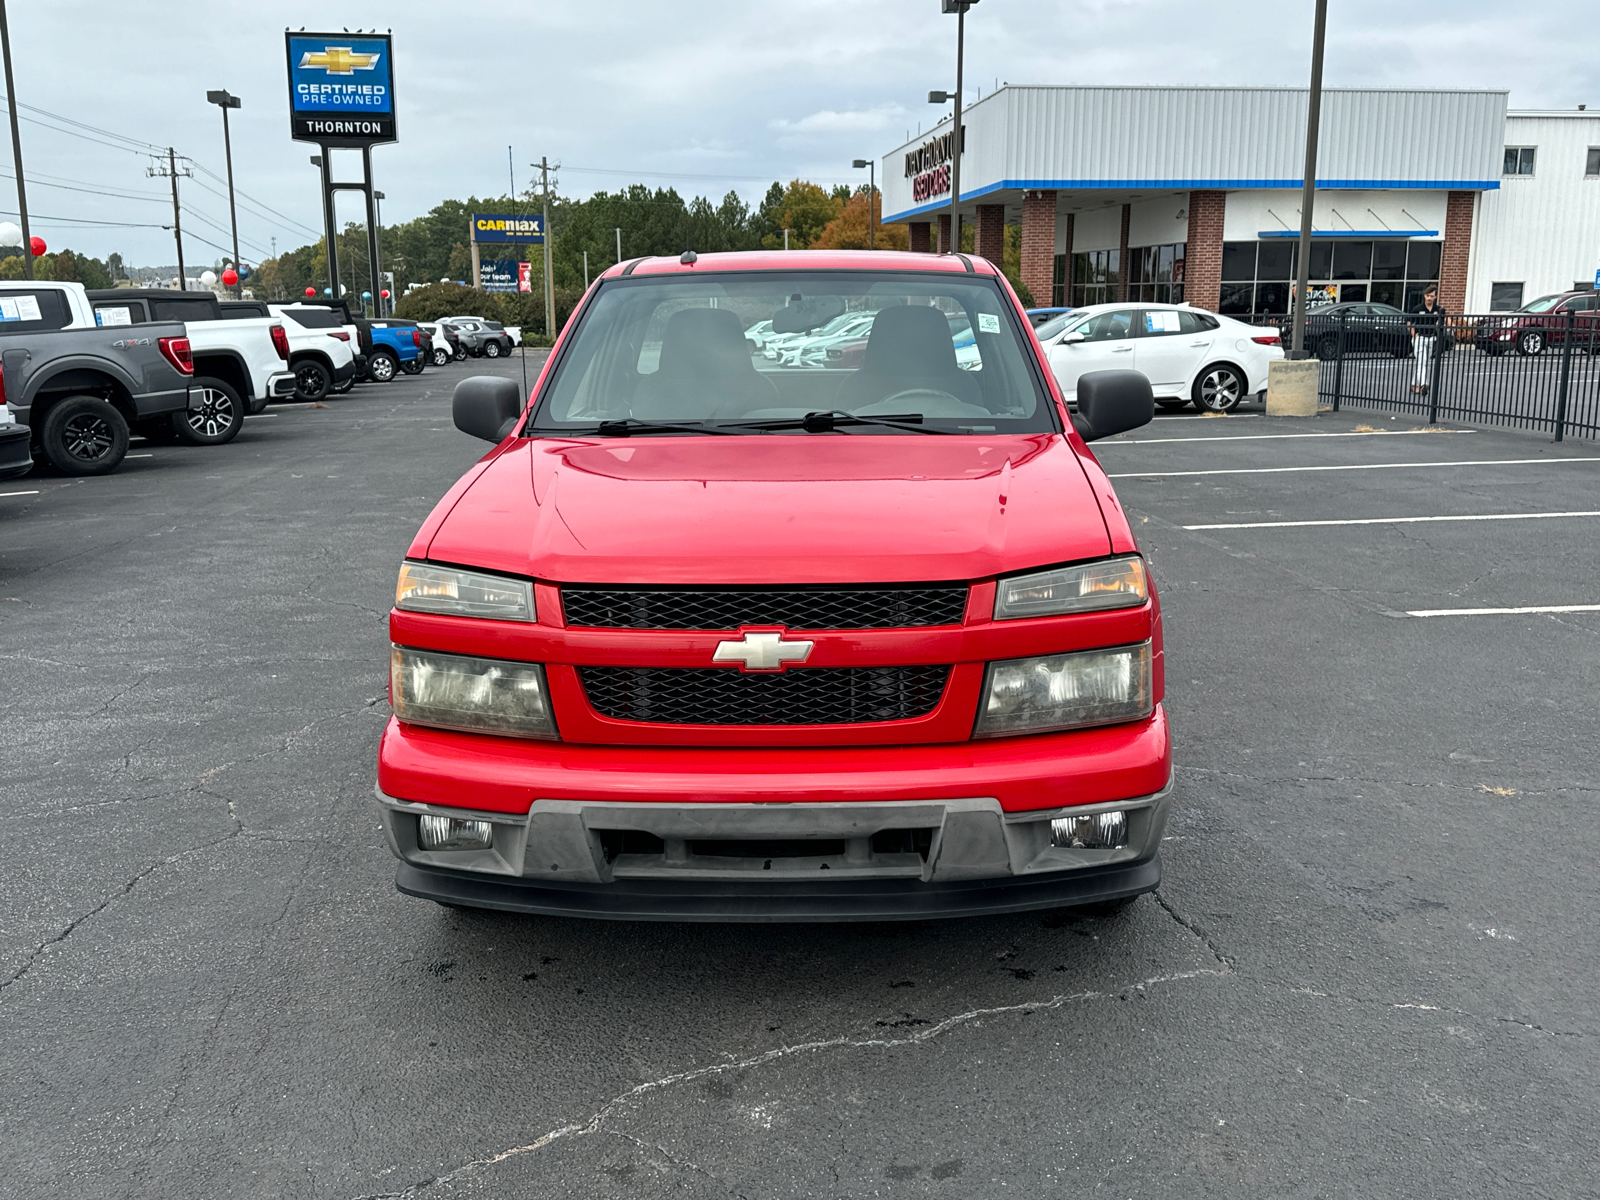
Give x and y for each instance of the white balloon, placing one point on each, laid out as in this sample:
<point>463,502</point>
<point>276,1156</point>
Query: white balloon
<point>10,233</point>
<point>208,278</point>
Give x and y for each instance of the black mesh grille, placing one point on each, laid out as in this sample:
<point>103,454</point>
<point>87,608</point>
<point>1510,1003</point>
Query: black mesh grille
<point>793,608</point>
<point>724,696</point>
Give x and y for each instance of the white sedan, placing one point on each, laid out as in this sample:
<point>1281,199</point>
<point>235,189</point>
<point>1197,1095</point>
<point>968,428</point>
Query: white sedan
<point>1189,356</point>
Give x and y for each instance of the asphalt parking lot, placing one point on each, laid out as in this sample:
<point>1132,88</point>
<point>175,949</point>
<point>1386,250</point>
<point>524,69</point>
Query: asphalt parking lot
<point>1366,974</point>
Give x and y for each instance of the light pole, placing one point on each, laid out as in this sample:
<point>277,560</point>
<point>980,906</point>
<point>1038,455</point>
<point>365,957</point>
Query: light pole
<point>785,239</point>
<point>16,146</point>
<point>959,7</point>
<point>872,193</point>
<point>224,101</point>
<point>619,243</point>
<point>1308,191</point>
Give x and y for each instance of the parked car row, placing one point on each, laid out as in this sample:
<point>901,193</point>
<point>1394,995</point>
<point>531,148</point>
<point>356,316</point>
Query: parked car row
<point>83,371</point>
<point>1539,325</point>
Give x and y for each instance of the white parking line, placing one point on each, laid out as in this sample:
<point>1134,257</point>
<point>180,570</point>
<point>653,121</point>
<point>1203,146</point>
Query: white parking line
<point>1264,437</point>
<point>1501,612</point>
<point>1483,462</point>
<point>19,493</point>
<point>258,416</point>
<point>138,456</point>
<point>1395,520</point>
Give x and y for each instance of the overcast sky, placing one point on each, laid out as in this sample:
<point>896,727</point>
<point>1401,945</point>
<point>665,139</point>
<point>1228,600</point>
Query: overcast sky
<point>702,96</point>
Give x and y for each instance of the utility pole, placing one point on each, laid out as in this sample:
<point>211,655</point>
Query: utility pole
<point>169,170</point>
<point>1308,190</point>
<point>586,270</point>
<point>549,281</point>
<point>377,240</point>
<point>785,239</point>
<point>16,146</point>
<point>225,101</point>
<point>619,243</point>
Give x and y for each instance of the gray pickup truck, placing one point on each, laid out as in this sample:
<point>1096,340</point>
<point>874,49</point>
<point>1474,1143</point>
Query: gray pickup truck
<point>80,390</point>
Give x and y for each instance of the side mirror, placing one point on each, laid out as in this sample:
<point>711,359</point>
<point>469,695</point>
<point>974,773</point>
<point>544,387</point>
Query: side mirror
<point>1072,335</point>
<point>487,406</point>
<point>1112,402</point>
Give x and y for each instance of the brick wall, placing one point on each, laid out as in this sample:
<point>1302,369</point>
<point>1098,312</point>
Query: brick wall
<point>1457,250</point>
<point>1122,254</point>
<point>944,233</point>
<point>989,233</point>
<point>1039,244</point>
<point>1202,282</point>
<point>921,237</point>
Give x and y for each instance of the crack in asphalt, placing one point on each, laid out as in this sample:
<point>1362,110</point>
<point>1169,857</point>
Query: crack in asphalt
<point>1418,1006</point>
<point>600,1116</point>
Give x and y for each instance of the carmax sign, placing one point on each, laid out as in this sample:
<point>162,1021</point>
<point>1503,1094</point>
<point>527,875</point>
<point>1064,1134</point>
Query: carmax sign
<point>505,227</point>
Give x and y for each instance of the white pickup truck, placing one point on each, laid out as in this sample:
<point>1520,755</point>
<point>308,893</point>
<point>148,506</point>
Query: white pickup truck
<point>240,363</point>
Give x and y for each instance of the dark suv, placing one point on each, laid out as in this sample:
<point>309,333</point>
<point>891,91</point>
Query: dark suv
<point>1542,323</point>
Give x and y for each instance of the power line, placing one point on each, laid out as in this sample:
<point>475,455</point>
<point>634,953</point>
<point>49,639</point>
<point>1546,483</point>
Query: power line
<point>86,223</point>
<point>258,203</point>
<point>66,187</point>
<point>682,175</point>
<point>83,125</point>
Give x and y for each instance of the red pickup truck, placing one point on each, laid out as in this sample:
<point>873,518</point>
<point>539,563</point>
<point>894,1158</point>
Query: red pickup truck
<point>707,638</point>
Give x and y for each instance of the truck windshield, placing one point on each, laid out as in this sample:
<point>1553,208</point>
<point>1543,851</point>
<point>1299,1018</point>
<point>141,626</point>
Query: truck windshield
<point>756,352</point>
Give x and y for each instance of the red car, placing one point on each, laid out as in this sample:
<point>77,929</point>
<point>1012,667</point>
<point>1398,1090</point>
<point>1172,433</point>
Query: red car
<point>705,640</point>
<point>1543,323</point>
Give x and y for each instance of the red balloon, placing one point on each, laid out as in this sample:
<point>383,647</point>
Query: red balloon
<point>384,293</point>
<point>230,277</point>
<point>311,291</point>
<point>37,246</point>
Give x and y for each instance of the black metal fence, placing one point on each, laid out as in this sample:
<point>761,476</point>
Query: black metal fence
<point>1519,370</point>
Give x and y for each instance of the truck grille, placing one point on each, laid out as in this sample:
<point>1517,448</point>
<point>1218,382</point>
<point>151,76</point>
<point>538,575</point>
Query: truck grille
<point>721,696</point>
<point>792,608</point>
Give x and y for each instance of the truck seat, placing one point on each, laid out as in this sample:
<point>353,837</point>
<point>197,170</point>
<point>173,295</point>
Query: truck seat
<point>704,371</point>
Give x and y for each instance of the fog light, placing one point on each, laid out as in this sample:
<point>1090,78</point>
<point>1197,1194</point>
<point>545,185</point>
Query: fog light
<point>454,833</point>
<point>1102,831</point>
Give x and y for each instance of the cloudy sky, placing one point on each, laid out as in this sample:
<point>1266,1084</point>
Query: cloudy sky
<point>704,96</point>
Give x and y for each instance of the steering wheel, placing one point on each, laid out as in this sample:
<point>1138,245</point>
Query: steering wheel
<point>922,395</point>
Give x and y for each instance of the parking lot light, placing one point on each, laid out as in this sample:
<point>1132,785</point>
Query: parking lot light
<point>872,193</point>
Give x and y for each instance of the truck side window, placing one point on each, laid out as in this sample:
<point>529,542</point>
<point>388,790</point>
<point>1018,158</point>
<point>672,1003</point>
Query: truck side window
<point>45,308</point>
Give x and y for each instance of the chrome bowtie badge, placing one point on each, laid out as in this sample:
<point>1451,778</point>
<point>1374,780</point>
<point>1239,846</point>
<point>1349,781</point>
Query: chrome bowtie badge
<point>762,652</point>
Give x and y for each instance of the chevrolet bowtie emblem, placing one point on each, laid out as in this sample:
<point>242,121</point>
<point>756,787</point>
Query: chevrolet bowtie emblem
<point>762,652</point>
<point>339,60</point>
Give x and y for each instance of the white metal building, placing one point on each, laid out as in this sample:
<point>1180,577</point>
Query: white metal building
<point>1194,193</point>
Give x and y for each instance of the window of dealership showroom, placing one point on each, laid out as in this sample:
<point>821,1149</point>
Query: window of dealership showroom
<point>1155,275</point>
<point>1257,277</point>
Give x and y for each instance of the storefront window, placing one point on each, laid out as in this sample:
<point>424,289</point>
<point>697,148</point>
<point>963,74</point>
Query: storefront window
<point>1155,273</point>
<point>1389,271</point>
<point>1094,277</point>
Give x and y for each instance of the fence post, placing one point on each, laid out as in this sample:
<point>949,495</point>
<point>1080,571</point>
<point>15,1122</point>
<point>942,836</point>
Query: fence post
<point>1338,364</point>
<point>1435,374</point>
<point>1566,376</point>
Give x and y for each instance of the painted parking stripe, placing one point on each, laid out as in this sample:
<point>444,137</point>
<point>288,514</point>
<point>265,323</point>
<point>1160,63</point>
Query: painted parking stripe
<point>1265,437</point>
<point>19,493</point>
<point>1483,462</point>
<point>138,456</point>
<point>1501,612</point>
<point>258,416</point>
<point>1395,520</point>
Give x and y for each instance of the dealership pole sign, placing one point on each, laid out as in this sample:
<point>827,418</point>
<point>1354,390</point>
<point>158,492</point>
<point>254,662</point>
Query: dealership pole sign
<point>506,227</point>
<point>928,167</point>
<point>341,88</point>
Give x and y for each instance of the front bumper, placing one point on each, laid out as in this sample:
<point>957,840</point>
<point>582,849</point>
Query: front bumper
<point>642,844</point>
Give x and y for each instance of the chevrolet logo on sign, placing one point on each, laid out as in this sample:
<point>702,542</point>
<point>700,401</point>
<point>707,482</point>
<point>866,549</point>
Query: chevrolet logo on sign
<point>339,60</point>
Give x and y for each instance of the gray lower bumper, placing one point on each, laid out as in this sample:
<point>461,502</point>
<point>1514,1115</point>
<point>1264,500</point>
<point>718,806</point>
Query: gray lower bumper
<point>874,860</point>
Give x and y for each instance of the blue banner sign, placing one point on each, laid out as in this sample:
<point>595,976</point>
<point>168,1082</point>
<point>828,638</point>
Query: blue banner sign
<point>341,88</point>
<point>505,227</point>
<point>498,276</point>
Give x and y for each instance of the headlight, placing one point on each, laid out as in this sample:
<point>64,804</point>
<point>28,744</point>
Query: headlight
<point>424,587</point>
<point>1066,691</point>
<point>480,695</point>
<point>1087,587</point>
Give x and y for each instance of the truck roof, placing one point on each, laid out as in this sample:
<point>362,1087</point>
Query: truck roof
<point>807,260</point>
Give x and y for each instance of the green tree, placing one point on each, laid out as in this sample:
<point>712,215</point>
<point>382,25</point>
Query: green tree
<point>805,211</point>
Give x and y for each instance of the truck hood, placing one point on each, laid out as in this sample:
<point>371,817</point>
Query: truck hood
<point>775,509</point>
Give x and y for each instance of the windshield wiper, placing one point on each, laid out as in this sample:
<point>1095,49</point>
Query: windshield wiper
<point>624,426</point>
<point>827,421</point>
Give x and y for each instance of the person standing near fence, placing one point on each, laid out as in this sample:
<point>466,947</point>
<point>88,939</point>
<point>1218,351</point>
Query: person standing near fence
<point>1428,327</point>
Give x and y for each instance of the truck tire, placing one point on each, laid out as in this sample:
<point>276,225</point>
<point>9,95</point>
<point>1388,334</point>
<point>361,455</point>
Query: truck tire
<point>383,366</point>
<point>218,419</point>
<point>311,380</point>
<point>83,435</point>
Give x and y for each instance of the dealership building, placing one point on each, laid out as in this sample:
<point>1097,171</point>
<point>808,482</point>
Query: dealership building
<point>1193,194</point>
